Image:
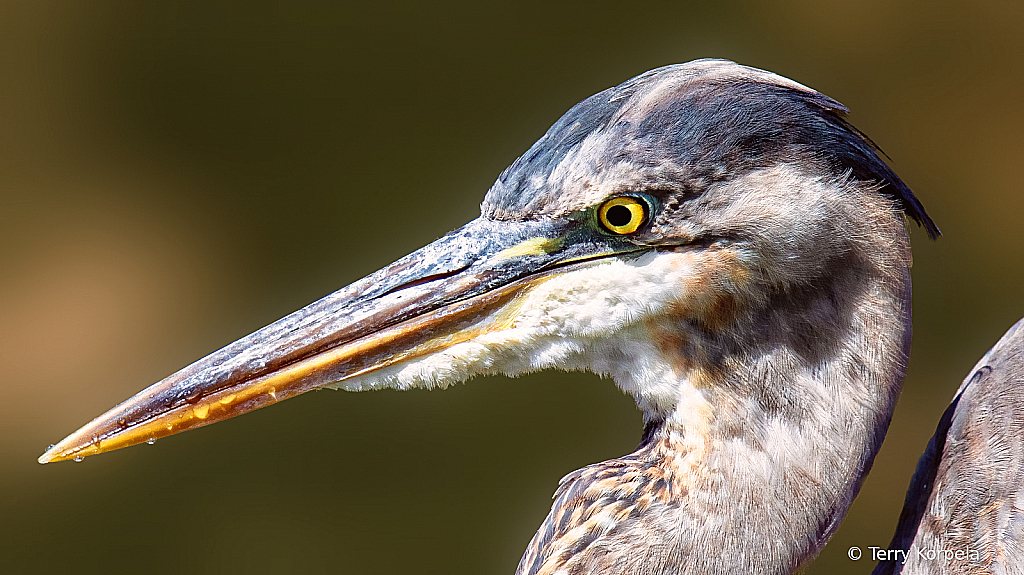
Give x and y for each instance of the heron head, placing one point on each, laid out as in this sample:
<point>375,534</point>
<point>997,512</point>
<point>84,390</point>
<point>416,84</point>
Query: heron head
<point>671,205</point>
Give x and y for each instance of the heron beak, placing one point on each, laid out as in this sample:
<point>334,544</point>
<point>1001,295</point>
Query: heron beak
<point>469,283</point>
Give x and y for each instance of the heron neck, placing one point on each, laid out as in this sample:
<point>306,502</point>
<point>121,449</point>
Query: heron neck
<point>778,425</point>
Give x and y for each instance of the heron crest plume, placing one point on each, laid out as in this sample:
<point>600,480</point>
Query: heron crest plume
<point>717,240</point>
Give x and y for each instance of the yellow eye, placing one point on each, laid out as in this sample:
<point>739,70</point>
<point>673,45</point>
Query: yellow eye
<point>622,215</point>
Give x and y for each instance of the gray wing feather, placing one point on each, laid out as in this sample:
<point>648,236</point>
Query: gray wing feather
<point>964,511</point>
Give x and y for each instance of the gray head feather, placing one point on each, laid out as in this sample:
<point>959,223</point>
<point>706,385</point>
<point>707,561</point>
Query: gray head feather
<point>680,128</point>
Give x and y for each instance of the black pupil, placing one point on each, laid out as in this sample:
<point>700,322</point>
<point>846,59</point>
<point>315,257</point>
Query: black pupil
<point>618,216</point>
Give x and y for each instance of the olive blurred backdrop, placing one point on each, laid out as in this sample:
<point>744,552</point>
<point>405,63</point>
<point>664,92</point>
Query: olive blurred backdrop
<point>176,175</point>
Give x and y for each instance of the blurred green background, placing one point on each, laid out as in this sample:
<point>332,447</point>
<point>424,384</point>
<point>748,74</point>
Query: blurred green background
<point>176,175</point>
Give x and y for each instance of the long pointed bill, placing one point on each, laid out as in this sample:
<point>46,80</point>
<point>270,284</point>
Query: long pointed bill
<point>466,284</point>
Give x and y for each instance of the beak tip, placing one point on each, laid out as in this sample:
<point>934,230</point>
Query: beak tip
<point>47,456</point>
<point>63,451</point>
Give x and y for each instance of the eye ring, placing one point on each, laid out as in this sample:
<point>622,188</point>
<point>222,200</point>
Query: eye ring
<point>622,215</point>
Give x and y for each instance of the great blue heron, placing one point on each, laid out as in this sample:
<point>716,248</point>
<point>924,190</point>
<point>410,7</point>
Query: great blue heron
<point>715,238</point>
